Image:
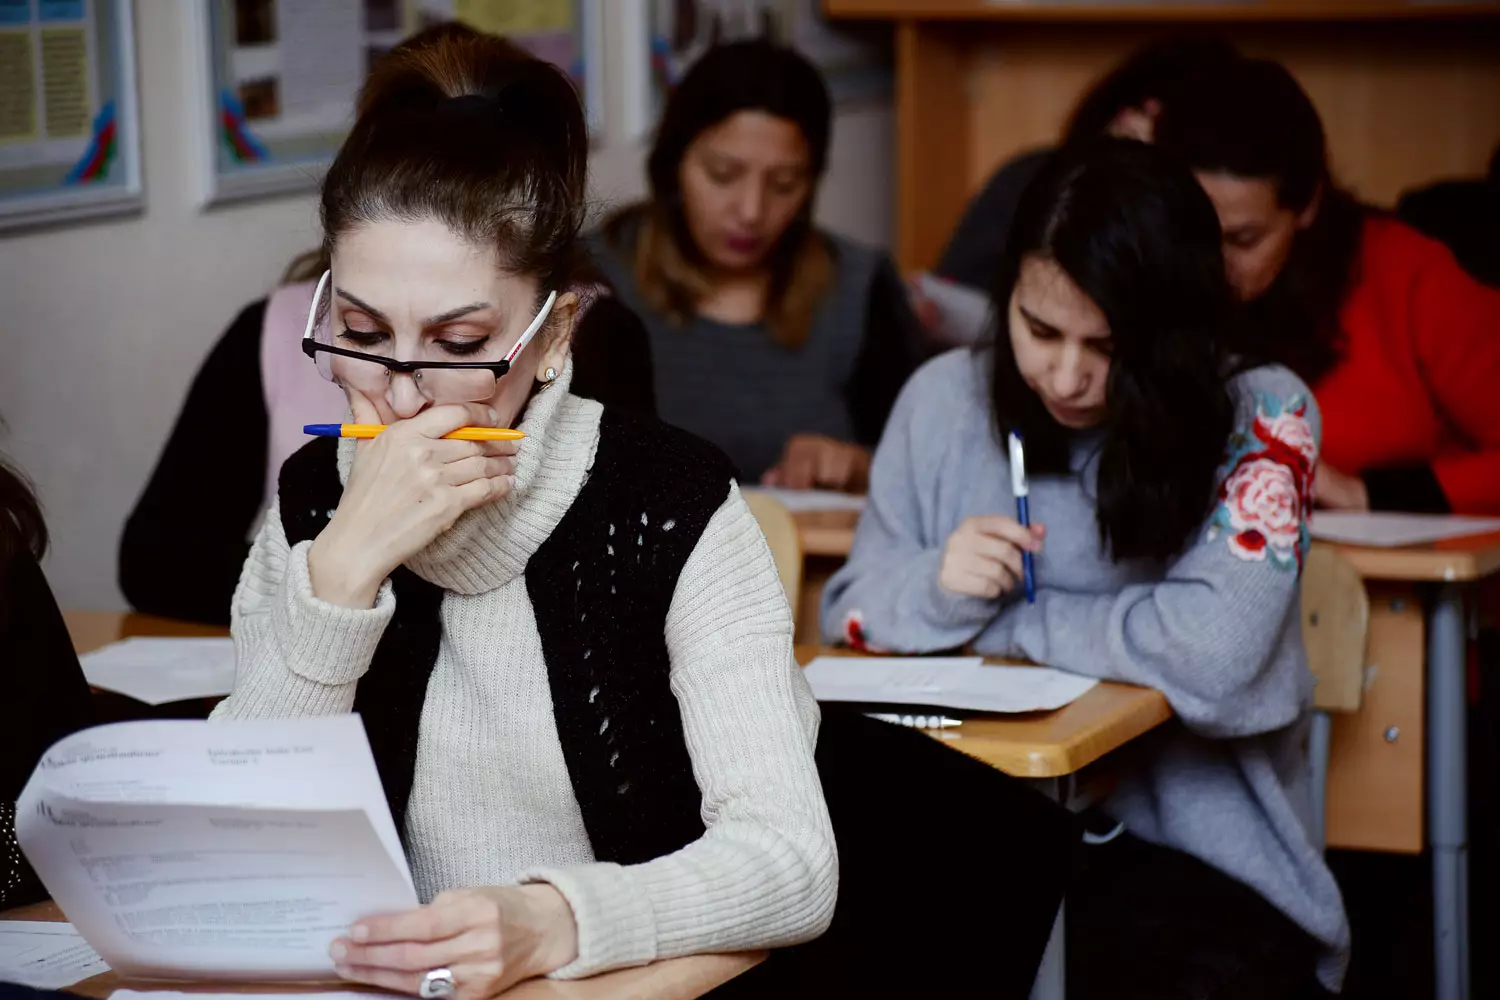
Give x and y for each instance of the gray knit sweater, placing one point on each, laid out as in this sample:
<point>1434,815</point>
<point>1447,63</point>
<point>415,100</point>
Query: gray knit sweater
<point>1217,629</point>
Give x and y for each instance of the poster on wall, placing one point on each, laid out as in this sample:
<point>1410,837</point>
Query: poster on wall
<point>280,77</point>
<point>69,142</point>
<point>855,60</point>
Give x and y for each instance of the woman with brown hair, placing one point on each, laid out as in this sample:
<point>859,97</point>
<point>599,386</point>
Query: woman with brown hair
<point>257,371</point>
<point>782,344</point>
<point>1398,343</point>
<point>572,654</point>
<point>186,540</point>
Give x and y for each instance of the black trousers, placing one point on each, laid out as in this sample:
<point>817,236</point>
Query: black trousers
<point>950,874</point>
<point>1149,922</point>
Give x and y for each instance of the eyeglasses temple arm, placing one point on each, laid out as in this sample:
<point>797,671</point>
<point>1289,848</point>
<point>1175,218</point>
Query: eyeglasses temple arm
<point>536,324</point>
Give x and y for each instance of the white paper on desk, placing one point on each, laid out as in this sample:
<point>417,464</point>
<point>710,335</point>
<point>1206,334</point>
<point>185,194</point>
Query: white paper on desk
<point>231,850</point>
<point>1389,530</point>
<point>198,995</point>
<point>810,500</point>
<point>158,670</point>
<point>964,683</point>
<point>46,954</point>
<point>963,312</point>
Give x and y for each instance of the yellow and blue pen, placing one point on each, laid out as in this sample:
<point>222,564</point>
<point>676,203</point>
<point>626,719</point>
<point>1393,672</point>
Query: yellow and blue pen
<point>1023,508</point>
<point>373,430</point>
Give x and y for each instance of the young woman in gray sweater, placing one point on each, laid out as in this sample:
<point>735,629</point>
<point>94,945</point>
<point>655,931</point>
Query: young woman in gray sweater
<point>1170,486</point>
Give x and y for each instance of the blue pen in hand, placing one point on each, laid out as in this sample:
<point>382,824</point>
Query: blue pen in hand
<point>1023,510</point>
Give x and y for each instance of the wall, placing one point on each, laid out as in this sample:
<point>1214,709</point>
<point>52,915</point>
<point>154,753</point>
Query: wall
<point>103,325</point>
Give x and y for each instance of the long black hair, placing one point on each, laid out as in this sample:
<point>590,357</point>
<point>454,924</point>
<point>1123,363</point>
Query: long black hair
<point>1155,71</point>
<point>1255,121</point>
<point>22,528</point>
<point>1137,235</point>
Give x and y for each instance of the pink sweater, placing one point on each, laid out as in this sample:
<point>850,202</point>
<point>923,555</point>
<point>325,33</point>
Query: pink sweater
<point>294,391</point>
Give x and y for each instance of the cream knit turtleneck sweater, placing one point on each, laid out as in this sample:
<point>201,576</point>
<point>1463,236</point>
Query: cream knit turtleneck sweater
<point>491,801</point>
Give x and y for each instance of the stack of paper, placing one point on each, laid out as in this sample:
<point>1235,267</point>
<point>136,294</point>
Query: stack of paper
<point>963,312</point>
<point>158,670</point>
<point>46,955</point>
<point>963,683</point>
<point>231,850</point>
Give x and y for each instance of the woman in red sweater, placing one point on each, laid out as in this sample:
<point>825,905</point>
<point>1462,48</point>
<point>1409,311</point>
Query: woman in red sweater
<point>1401,347</point>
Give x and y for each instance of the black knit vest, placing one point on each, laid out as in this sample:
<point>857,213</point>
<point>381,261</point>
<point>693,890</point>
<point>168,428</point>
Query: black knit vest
<point>600,588</point>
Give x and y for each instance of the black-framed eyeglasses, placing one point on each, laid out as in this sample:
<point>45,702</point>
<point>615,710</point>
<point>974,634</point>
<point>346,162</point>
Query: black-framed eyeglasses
<point>440,381</point>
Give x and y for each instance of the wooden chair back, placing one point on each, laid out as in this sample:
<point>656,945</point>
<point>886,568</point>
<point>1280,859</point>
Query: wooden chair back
<point>1335,628</point>
<point>780,529</point>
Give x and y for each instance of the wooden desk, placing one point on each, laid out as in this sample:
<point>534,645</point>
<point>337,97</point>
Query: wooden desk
<point>826,532</point>
<point>674,979</point>
<point>1049,744</point>
<point>93,629</point>
<point>1376,768</point>
<point>1453,560</point>
<point>1409,92</point>
<point>1032,745</point>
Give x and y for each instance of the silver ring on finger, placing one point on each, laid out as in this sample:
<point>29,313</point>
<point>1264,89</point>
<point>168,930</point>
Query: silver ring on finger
<point>437,985</point>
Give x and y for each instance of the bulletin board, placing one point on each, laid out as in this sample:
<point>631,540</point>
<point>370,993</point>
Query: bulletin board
<point>69,138</point>
<point>856,60</point>
<point>278,78</point>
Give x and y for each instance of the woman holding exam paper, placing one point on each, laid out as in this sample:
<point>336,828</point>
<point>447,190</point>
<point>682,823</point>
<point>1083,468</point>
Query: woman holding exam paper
<point>1172,474</point>
<point>571,652</point>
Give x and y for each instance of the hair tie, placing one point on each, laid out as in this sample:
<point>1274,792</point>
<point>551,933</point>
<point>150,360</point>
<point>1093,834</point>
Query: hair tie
<point>469,104</point>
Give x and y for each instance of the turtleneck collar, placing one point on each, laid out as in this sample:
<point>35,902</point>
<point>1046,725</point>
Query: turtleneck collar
<point>490,545</point>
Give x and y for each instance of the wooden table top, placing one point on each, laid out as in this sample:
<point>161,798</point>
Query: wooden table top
<point>1029,745</point>
<point>1452,560</point>
<point>92,629</point>
<point>1049,744</point>
<point>673,979</point>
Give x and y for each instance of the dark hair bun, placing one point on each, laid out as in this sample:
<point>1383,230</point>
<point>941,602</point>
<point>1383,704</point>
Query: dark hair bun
<point>470,129</point>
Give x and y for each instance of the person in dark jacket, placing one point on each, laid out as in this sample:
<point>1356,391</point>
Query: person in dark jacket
<point>46,696</point>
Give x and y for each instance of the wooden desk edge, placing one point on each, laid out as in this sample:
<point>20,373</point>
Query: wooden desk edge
<point>1025,756</point>
<point>826,541</point>
<point>1459,560</point>
<point>1028,759</point>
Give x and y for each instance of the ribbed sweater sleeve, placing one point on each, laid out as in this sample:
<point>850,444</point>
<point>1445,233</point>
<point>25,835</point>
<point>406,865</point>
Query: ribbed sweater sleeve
<point>765,873</point>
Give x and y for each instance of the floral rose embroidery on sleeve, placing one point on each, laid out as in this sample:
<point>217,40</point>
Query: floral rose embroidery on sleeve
<point>1267,491</point>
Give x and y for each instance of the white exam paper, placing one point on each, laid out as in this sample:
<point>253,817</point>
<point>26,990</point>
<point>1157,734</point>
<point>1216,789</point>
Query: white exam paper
<point>963,312</point>
<point>1390,530</point>
<point>196,995</point>
<point>159,670</point>
<point>964,683</point>
<point>231,850</point>
<point>46,954</point>
<point>810,500</point>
